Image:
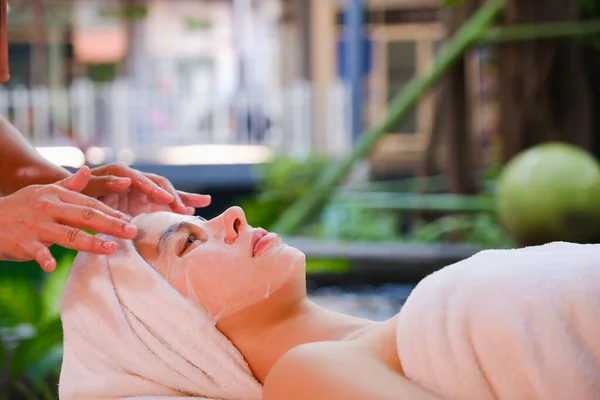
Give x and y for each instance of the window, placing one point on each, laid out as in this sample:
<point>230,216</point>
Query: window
<point>401,67</point>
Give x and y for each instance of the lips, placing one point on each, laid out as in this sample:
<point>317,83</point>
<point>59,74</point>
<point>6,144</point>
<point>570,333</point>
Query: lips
<point>261,239</point>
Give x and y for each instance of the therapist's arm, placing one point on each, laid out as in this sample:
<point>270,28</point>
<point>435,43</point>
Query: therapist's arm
<point>20,164</point>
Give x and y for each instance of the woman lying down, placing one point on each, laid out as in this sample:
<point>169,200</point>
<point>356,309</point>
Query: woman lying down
<point>218,310</point>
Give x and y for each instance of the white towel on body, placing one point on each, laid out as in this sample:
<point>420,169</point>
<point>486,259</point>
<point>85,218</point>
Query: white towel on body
<point>508,325</point>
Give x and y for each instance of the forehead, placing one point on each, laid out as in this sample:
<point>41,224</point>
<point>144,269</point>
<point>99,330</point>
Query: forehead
<point>151,226</point>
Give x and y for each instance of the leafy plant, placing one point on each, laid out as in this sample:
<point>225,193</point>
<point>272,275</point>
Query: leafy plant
<point>125,12</point>
<point>31,332</point>
<point>450,3</point>
<point>355,222</point>
<point>589,6</point>
<point>479,229</point>
<point>330,266</point>
<point>198,24</point>
<point>283,181</point>
<point>102,73</point>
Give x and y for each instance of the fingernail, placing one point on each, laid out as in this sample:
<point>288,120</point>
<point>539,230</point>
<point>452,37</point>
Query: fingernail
<point>48,265</point>
<point>191,210</point>
<point>109,245</point>
<point>130,229</point>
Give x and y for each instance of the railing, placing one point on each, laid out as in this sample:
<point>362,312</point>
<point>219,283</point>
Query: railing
<point>119,117</point>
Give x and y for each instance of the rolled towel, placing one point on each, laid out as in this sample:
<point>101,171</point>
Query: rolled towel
<point>129,335</point>
<point>507,325</point>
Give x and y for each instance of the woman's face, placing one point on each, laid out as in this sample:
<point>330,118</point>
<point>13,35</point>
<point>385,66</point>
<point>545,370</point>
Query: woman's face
<point>223,264</point>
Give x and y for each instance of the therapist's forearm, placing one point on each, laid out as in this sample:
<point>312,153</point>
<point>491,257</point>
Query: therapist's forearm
<point>20,164</point>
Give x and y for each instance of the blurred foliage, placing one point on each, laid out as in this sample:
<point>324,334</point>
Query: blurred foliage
<point>479,229</point>
<point>330,266</point>
<point>589,6</point>
<point>126,12</point>
<point>355,222</point>
<point>30,328</point>
<point>197,24</point>
<point>283,182</point>
<point>450,3</point>
<point>359,223</point>
<point>590,9</point>
<point>102,73</point>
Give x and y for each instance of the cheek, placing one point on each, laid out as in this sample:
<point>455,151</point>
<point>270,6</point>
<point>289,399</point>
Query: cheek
<point>222,281</point>
<point>212,277</point>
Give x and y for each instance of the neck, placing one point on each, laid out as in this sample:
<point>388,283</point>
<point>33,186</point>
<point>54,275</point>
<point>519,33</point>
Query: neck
<point>269,333</point>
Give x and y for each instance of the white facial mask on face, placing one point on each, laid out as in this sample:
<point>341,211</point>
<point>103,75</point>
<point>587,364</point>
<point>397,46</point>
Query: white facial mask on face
<point>219,271</point>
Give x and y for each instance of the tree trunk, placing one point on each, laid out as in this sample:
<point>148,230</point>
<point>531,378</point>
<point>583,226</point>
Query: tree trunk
<point>543,91</point>
<point>591,61</point>
<point>592,66</point>
<point>454,113</point>
<point>429,164</point>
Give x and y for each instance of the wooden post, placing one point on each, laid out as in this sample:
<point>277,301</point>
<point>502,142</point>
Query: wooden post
<point>455,113</point>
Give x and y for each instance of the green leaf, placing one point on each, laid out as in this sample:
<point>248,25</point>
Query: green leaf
<point>46,370</point>
<point>38,355</point>
<point>25,391</point>
<point>452,3</point>
<point>52,287</point>
<point>332,266</point>
<point>588,5</point>
<point>19,302</point>
<point>3,355</point>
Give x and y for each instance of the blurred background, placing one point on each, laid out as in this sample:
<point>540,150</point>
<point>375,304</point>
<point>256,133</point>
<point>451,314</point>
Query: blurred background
<point>384,138</point>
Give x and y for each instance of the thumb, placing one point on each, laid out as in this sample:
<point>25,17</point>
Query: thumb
<point>77,181</point>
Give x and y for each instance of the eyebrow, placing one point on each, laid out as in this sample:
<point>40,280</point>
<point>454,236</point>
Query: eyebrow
<point>177,227</point>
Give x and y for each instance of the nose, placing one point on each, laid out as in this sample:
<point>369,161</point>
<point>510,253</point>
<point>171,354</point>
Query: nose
<point>234,220</point>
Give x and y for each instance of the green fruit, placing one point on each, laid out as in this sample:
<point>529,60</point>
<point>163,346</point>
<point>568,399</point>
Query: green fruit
<point>550,192</point>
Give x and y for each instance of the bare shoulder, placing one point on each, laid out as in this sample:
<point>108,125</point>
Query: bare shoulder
<point>336,370</point>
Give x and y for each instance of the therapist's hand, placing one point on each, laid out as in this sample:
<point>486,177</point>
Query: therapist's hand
<point>37,216</point>
<point>133,192</point>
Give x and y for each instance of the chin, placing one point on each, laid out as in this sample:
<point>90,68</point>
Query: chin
<point>298,258</point>
<point>294,261</point>
<point>290,290</point>
<point>285,256</point>
<point>297,272</point>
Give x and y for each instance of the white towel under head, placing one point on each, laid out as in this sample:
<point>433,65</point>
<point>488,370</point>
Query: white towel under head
<point>129,335</point>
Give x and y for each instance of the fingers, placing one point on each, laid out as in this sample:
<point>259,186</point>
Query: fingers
<point>138,181</point>
<point>76,239</point>
<point>102,185</point>
<point>41,254</point>
<point>77,181</point>
<point>82,217</point>
<point>194,200</point>
<point>91,203</point>
<point>177,205</point>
